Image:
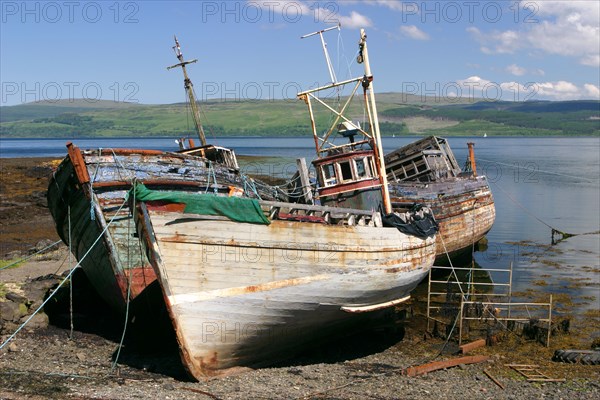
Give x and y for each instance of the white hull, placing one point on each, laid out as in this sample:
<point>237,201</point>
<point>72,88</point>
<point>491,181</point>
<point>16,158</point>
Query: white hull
<point>239,294</point>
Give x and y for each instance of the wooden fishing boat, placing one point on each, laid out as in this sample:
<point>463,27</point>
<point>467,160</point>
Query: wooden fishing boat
<point>426,172</point>
<point>87,199</point>
<point>247,282</point>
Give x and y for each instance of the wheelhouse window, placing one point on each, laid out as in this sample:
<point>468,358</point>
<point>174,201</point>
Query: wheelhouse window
<point>328,171</point>
<point>346,171</point>
<point>361,170</point>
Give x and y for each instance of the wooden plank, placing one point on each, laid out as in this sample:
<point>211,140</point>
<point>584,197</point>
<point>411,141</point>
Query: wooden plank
<point>465,348</point>
<point>487,373</point>
<point>437,365</point>
<point>304,180</point>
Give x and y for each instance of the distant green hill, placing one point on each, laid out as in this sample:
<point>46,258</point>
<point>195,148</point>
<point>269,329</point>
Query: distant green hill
<point>399,114</point>
<point>581,118</point>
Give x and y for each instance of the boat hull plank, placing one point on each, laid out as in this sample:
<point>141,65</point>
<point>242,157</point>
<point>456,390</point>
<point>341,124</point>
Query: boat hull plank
<point>464,209</point>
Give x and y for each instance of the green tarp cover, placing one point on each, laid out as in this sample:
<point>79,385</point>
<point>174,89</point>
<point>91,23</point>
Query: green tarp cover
<point>235,208</point>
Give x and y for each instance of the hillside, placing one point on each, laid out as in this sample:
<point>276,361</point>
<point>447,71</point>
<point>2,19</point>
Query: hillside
<point>581,118</point>
<point>399,114</point>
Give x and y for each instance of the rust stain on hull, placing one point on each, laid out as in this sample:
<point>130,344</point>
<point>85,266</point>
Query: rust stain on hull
<point>140,278</point>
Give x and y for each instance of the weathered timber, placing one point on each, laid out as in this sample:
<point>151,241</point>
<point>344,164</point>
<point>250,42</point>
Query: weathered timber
<point>465,348</point>
<point>437,365</point>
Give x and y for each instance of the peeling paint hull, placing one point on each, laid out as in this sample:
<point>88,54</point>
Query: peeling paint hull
<point>245,295</point>
<point>463,207</point>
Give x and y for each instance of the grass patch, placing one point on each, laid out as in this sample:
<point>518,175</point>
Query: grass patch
<point>7,263</point>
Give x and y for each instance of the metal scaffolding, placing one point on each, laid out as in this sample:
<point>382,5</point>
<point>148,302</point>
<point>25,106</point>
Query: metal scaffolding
<point>466,300</point>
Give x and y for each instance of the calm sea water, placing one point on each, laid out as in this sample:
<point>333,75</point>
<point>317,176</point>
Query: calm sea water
<point>537,183</point>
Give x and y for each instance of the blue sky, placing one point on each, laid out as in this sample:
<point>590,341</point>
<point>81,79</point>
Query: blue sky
<point>513,50</point>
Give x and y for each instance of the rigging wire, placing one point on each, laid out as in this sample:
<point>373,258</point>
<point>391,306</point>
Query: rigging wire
<point>30,256</point>
<point>128,284</point>
<point>538,170</point>
<point>531,214</point>
<point>70,280</point>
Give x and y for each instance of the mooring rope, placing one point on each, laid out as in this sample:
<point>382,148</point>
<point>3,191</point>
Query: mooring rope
<point>538,170</point>
<point>451,266</point>
<point>30,256</point>
<point>554,230</point>
<point>78,265</point>
<point>70,281</point>
<point>114,364</point>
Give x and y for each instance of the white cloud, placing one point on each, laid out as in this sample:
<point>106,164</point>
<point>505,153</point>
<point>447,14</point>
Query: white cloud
<point>516,70</point>
<point>476,86</point>
<point>355,20</point>
<point>395,5</point>
<point>592,91</point>
<point>565,28</point>
<point>591,60</point>
<point>473,81</point>
<point>310,10</point>
<point>502,42</point>
<point>413,32</point>
<point>585,9</point>
<point>560,90</point>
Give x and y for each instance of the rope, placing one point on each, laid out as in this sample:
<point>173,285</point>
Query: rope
<point>30,256</point>
<point>128,288</point>
<point>92,202</point>
<point>250,183</point>
<point>538,170</point>
<point>64,280</point>
<point>451,265</point>
<point>38,309</point>
<point>211,173</point>
<point>119,165</point>
<point>70,281</point>
<point>554,230</point>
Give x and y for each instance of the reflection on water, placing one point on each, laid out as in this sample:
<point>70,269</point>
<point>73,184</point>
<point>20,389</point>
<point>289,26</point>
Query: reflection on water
<point>536,182</point>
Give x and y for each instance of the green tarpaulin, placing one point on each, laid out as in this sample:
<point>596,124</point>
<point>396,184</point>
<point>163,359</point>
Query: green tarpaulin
<point>235,208</point>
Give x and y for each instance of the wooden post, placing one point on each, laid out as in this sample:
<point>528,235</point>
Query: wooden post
<point>429,301</point>
<point>368,84</point>
<point>472,157</point>
<point>304,180</point>
<point>549,322</point>
<point>460,322</point>
<point>510,288</point>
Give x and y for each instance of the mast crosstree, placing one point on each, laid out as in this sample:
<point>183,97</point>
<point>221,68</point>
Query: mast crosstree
<point>189,89</point>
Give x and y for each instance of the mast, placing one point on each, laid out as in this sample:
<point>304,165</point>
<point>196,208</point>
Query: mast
<point>322,143</point>
<point>324,45</point>
<point>363,57</point>
<point>189,89</point>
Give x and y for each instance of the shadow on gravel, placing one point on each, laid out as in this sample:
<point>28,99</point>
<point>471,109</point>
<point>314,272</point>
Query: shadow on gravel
<point>150,344</point>
<point>380,333</point>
